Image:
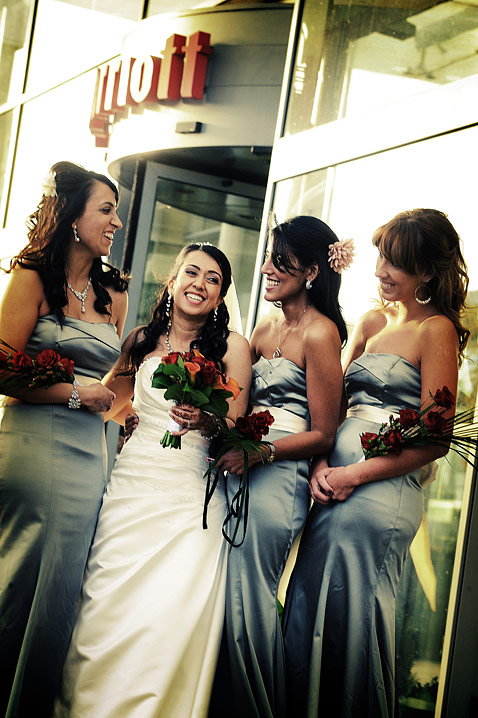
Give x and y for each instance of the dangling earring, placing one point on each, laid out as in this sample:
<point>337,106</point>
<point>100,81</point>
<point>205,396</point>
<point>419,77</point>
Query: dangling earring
<point>75,233</point>
<point>168,307</point>
<point>308,285</point>
<point>428,299</point>
<point>215,316</point>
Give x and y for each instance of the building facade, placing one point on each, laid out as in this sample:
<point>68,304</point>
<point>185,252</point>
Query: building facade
<point>211,118</point>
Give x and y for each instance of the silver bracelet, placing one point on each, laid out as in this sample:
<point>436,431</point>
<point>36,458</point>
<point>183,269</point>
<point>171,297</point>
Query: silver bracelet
<point>74,402</point>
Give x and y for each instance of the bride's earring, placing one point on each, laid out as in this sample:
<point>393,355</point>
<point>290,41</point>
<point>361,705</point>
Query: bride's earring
<point>215,316</point>
<point>168,307</point>
<point>75,233</point>
<point>308,284</point>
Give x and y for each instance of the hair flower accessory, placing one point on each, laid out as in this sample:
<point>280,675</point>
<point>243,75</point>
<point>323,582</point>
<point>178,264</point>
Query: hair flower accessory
<point>341,254</point>
<point>49,185</point>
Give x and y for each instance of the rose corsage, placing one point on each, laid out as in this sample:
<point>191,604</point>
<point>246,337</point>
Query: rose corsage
<point>427,426</point>
<point>190,378</point>
<point>246,436</point>
<point>20,373</point>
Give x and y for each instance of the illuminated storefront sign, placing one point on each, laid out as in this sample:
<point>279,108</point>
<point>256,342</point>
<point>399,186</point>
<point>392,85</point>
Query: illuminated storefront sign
<point>179,74</point>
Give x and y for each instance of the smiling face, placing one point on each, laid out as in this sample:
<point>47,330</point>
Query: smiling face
<point>281,284</point>
<point>99,221</point>
<point>396,284</point>
<point>197,287</point>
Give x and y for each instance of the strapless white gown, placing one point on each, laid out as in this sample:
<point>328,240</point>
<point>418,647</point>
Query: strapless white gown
<point>146,640</point>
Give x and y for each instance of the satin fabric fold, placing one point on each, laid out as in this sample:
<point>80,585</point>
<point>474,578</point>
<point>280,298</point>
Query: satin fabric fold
<point>52,478</point>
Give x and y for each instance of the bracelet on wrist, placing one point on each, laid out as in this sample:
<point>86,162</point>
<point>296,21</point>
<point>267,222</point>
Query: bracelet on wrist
<point>74,402</point>
<point>214,427</point>
<point>271,458</point>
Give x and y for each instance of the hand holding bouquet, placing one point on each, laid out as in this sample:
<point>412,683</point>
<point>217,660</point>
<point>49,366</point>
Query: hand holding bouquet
<point>190,378</point>
<point>20,373</point>
<point>428,426</point>
<point>245,436</point>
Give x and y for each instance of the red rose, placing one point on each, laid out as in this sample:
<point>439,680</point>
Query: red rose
<point>47,358</point>
<point>435,423</point>
<point>368,440</point>
<point>243,424</point>
<point>393,440</point>
<point>261,422</point>
<point>444,398</point>
<point>21,361</point>
<point>409,418</point>
<point>171,358</point>
<point>68,365</point>
<point>207,372</point>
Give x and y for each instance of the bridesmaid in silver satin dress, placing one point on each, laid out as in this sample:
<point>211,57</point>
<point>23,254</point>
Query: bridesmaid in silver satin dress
<point>298,377</point>
<point>339,621</point>
<point>61,296</point>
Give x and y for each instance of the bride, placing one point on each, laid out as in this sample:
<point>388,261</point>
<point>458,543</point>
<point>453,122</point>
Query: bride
<point>147,634</point>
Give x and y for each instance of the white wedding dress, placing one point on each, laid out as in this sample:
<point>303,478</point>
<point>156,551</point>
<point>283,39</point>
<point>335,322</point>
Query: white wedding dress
<point>146,640</point>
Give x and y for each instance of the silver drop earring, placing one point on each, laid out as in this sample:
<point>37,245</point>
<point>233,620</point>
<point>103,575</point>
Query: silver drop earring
<point>75,233</point>
<point>308,285</point>
<point>168,307</point>
<point>428,299</point>
<point>215,316</point>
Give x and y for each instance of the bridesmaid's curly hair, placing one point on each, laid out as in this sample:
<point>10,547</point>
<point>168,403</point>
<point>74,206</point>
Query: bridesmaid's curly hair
<point>50,232</point>
<point>212,342</point>
<point>425,241</point>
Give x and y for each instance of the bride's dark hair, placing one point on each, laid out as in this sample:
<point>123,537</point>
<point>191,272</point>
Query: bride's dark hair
<point>212,342</point>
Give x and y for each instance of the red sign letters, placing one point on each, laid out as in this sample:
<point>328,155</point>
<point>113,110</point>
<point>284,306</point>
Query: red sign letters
<point>179,74</point>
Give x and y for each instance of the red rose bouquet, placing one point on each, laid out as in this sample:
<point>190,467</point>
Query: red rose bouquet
<point>428,426</point>
<point>246,435</point>
<point>19,373</point>
<point>190,378</point>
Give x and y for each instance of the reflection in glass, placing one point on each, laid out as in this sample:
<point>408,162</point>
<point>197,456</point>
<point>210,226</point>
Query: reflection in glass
<point>354,56</point>
<point>200,215</point>
<point>355,199</point>
<point>14,23</point>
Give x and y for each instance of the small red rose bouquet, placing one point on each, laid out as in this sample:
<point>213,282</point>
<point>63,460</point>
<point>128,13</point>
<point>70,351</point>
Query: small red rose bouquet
<point>19,373</point>
<point>428,426</point>
<point>246,435</point>
<point>190,378</point>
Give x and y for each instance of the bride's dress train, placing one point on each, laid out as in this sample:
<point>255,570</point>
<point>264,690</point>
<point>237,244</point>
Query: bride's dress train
<point>146,640</point>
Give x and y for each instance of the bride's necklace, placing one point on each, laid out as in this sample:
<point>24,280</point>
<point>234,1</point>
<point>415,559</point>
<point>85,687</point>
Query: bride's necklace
<point>166,339</point>
<point>80,295</point>
<point>277,352</point>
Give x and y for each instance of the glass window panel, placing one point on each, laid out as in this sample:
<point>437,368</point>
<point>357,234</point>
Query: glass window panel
<point>50,132</point>
<point>185,213</point>
<point>355,199</point>
<point>354,56</point>
<point>98,26</point>
<point>14,30</point>
<point>6,121</point>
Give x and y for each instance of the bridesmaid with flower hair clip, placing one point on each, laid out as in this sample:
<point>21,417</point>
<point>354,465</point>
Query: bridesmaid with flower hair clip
<point>339,618</point>
<point>297,376</point>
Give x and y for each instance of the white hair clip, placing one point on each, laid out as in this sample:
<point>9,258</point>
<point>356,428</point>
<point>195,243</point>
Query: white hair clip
<point>49,185</point>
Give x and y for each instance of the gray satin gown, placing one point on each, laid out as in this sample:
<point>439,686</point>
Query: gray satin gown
<point>250,678</point>
<point>339,619</point>
<point>52,478</point>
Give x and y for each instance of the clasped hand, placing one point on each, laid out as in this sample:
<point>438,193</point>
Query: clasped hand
<point>189,417</point>
<point>96,397</point>
<point>331,482</point>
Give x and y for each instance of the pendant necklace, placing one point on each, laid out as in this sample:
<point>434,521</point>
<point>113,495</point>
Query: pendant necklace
<point>277,352</point>
<point>80,295</point>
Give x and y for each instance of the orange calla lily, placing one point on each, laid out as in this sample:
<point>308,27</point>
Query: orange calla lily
<point>192,368</point>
